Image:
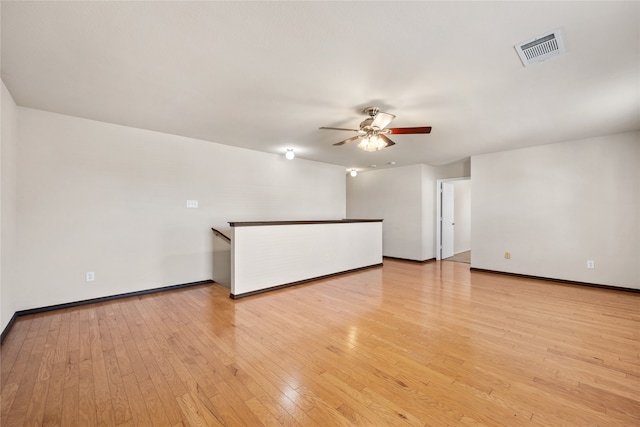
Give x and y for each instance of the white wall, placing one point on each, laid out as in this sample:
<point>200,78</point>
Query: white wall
<point>556,206</point>
<point>428,215</point>
<point>111,199</point>
<point>459,169</point>
<point>462,215</point>
<point>8,200</point>
<point>221,272</point>
<point>273,255</point>
<point>403,197</point>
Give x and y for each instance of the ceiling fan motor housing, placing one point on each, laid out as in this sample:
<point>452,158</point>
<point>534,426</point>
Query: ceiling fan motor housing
<point>366,123</point>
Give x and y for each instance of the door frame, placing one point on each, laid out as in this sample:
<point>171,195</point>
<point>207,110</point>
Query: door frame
<point>439,212</point>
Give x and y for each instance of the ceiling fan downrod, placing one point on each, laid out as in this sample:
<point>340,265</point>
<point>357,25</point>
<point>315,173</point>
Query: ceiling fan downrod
<point>371,111</point>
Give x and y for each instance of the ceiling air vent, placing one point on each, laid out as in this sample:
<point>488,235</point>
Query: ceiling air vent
<point>541,48</point>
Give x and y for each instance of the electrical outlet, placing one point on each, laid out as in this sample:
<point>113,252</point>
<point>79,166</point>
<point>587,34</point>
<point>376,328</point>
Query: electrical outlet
<point>90,276</point>
<point>507,255</point>
<point>591,264</point>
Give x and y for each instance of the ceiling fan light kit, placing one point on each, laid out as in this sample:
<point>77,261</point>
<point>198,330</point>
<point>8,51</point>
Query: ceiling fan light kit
<point>373,131</point>
<point>372,143</point>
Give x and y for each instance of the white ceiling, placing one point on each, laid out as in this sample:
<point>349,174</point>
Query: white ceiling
<point>267,75</point>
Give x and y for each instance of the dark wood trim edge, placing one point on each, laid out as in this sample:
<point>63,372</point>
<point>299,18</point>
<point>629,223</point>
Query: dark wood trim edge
<point>221,235</point>
<point>300,282</point>
<point>96,300</point>
<point>410,260</point>
<point>562,281</point>
<point>7,328</point>
<point>110,297</point>
<point>330,221</point>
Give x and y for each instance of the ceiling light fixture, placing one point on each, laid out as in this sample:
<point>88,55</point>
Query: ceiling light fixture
<point>372,142</point>
<point>290,154</point>
<point>353,172</point>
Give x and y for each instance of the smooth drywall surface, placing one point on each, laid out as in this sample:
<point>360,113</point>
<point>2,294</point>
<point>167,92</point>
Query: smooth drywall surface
<point>429,215</point>
<point>554,207</point>
<point>273,255</point>
<point>458,169</point>
<point>108,199</point>
<point>397,196</point>
<point>221,262</point>
<point>462,215</point>
<point>8,200</point>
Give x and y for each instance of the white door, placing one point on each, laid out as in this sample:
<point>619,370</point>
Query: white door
<point>447,224</point>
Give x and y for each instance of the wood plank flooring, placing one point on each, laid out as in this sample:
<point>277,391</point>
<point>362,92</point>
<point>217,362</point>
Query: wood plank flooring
<point>405,344</point>
<point>460,257</point>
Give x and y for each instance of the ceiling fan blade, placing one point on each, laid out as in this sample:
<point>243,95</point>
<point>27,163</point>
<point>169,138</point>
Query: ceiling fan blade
<point>353,130</point>
<point>353,138</point>
<point>387,140</point>
<point>382,119</point>
<point>404,131</point>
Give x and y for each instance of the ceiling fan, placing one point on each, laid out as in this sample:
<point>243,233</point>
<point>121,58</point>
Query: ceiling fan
<point>373,130</point>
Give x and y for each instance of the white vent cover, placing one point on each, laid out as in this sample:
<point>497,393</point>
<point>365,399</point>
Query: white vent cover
<point>541,48</point>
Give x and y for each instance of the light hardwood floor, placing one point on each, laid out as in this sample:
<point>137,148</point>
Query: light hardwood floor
<point>405,344</point>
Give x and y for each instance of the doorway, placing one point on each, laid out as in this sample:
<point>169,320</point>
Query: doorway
<point>453,222</point>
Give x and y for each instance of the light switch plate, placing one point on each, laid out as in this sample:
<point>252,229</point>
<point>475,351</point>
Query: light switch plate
<point>192,203</point>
